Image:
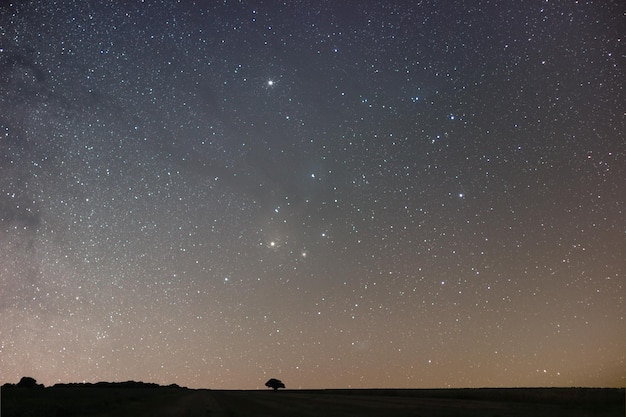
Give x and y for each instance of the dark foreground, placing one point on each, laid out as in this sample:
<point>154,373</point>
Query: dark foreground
<point>130,400</point>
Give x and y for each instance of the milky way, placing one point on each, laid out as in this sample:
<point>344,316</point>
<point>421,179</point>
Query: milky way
<point>336,194</point>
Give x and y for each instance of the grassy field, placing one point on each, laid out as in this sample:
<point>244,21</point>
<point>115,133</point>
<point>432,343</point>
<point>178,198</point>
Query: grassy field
<point>121,401</point>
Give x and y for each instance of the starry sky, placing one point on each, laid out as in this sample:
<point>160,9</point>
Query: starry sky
<point>333,193</point>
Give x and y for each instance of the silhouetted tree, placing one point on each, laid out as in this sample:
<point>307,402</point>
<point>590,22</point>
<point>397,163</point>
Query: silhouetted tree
<point>274,384</point>
<point>28,382</point>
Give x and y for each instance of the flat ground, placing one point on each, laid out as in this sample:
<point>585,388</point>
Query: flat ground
<point>389,403</point>
<point>171,402</point>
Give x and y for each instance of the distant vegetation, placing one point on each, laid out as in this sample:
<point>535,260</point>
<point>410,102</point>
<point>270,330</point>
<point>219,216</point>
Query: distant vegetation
<point>28,382</point>
<point>275,384</point>
<point>120,399</point>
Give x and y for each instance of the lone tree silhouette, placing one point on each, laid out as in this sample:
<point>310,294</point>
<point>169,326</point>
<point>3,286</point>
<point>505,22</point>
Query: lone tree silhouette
<point>274,384</point>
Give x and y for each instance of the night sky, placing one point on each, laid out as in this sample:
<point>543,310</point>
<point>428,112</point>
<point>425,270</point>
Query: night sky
<point>333,193</point>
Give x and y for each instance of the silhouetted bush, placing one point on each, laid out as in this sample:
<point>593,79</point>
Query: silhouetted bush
<point>28,382</point>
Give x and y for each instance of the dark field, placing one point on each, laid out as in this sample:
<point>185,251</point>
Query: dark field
<point>137,400</point>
